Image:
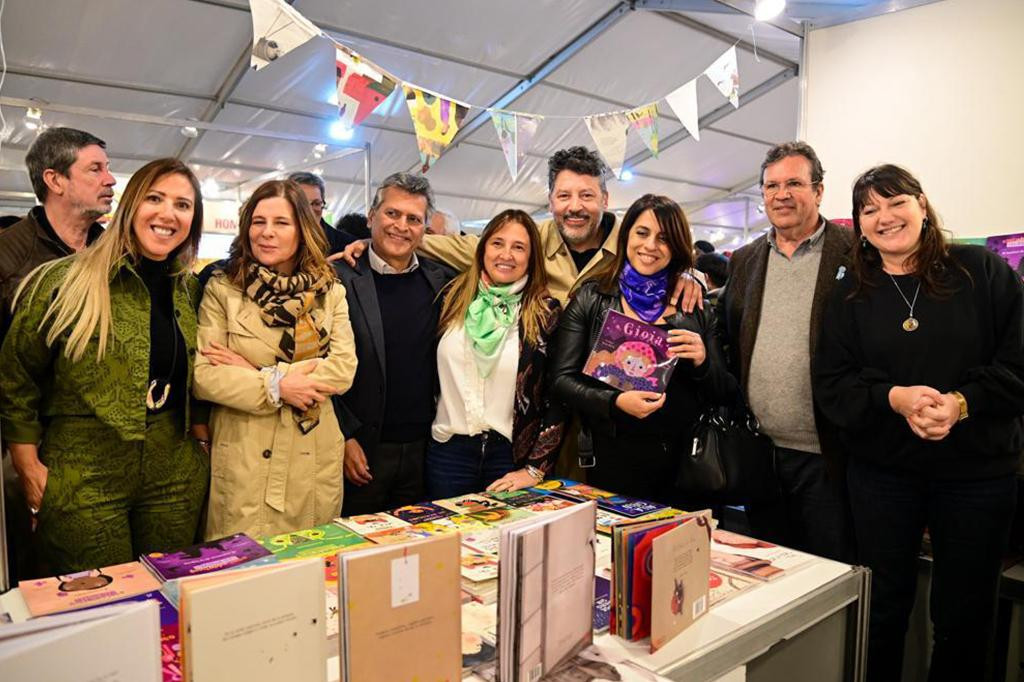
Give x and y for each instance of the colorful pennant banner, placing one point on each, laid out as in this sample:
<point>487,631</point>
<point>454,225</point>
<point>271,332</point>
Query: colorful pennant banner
<point>277,29</point>
<point>645,122</point>
<point>725,74</point>
<point>609,133</point>
<point>436,120</point>
<point>361,87</point>
<point>683,101</point>
<point>515,133</point>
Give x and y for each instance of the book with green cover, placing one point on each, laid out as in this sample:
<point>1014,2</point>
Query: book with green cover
<point>319,541</point>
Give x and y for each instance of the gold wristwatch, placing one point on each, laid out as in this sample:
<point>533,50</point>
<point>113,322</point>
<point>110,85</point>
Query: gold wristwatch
<point>962,402</point>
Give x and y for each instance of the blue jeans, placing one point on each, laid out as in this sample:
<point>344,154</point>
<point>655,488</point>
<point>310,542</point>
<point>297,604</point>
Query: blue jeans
<point>969,522</point>
<point>467,464</point>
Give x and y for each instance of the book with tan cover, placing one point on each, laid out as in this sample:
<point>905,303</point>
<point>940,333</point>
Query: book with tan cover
<point>679,589</point>
<point>400,609</point>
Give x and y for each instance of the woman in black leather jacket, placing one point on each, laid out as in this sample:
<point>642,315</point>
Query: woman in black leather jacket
<point>638,436</point>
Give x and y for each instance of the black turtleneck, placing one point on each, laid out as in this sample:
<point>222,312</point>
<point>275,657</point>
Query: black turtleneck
<point>168,358</point>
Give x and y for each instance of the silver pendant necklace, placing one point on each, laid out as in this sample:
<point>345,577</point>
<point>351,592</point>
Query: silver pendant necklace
<point>910,324</point>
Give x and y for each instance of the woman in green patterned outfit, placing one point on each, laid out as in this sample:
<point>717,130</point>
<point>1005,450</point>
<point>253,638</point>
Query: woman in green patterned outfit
<point>94,396</point>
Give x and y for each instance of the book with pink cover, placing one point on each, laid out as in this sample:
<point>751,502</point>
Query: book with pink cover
<point>630,355</point>
<point>86,588</point>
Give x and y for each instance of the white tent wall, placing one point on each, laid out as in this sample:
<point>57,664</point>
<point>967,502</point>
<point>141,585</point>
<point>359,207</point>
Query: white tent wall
<point>936,89</point>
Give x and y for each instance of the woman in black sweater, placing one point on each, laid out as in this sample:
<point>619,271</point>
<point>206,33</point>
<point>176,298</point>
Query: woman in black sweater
<point>921,365</point>
<point>638,435</point>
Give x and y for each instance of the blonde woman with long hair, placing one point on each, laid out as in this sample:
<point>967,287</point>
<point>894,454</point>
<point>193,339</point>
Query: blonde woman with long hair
<point>94,397</point>
<point>494,426</point>
<point>275,344</point>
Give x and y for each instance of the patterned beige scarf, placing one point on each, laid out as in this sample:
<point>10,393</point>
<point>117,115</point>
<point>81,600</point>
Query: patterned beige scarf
<point>287,301</point>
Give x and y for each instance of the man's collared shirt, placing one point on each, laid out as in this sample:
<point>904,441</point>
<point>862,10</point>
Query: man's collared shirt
<point>381,267</point>
<point>811,243</point>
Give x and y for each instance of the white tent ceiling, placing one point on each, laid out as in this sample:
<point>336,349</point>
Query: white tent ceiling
<point>119,68</point>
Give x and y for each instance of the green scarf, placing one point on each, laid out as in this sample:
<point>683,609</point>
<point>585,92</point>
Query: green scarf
<point>494,311</point>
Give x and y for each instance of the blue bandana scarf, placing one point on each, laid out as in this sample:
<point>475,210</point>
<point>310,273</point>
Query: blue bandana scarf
<point>645,294</point>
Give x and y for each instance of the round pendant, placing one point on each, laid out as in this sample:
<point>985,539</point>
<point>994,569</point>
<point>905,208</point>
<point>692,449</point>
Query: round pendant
<point>910,324</point>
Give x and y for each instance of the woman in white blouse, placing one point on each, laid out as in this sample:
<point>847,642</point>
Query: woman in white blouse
<point>495,427</point>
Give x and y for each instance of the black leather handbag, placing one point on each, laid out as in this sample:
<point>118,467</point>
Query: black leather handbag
<point>728,460</point>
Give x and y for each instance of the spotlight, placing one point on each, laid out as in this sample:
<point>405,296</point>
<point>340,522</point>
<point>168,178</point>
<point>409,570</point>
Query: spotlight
<point>190,132</point>
<point>768,9</point>
<point>210,188</point>
<point>626,175</point>
<point>340,131</point>
<point>318,151</point>
<point>33,118</point>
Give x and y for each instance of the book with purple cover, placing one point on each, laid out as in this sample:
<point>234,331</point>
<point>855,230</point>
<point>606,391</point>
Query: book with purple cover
<point>630,355</point>
<point>205,557</point>
<point>420,513</point>
<point>170,644</point>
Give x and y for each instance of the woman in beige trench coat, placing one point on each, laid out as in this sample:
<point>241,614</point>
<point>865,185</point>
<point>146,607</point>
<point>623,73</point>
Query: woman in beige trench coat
<point>275,344</point>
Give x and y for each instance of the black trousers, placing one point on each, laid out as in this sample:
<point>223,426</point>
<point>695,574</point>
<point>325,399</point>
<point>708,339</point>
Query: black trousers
<point>969,523</point>
<point>635,466</point>
<point>397,470</point>
<point>812,514</point>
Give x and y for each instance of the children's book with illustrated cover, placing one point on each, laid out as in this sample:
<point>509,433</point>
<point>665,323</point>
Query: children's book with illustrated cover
<point>478,566</point>
<point>205,557</point>
<point>370,523</point>
<point>479,635</point>
<point>723,586</point>
<point>753,558</point>
<point>420,512</point>
<point>459,523</point>
<point>552,503</point>
<point>397,536</point>
<point>630,355</point>
<point>464,504</point>
<point>602,603</point>
<point>517,498</point>
<point>499,517</point>
<point>486,541</point>
<point>310,543</point>
<point>621,505</point>
<point>86,588</point>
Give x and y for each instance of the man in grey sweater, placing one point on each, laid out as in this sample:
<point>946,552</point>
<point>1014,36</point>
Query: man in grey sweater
<point>771,312</point>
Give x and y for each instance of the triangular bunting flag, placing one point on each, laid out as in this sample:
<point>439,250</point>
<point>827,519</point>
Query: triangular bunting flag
<point>683,101</point>
<point>515,133</point>
<point>645,122</point>
<point>361,86</point>
<point>725,74</point>
<point>609,133</point>
<point>436,120</point>
<point>277,29</point>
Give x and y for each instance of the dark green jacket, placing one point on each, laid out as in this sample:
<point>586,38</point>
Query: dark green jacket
<point>39,382</point>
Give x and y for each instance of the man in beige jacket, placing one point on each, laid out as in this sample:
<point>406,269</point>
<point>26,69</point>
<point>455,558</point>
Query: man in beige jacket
<point>577,239</point>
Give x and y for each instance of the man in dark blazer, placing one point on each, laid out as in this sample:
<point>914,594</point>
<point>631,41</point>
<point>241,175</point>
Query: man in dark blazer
<point>771,315</point>
<point>393,307</point>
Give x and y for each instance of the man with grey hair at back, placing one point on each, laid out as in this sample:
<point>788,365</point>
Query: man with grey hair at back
<point>444,222</point>
<point>313,186</point>
<point>393,308</point>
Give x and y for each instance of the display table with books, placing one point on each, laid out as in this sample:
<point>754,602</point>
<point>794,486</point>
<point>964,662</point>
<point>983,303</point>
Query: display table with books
<point>546,583</point>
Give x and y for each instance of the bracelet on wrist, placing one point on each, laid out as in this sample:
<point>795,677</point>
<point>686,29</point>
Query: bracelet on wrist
<point>534,472</point>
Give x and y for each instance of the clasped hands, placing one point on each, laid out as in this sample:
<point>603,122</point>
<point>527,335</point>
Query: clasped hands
<point>929,414</point>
